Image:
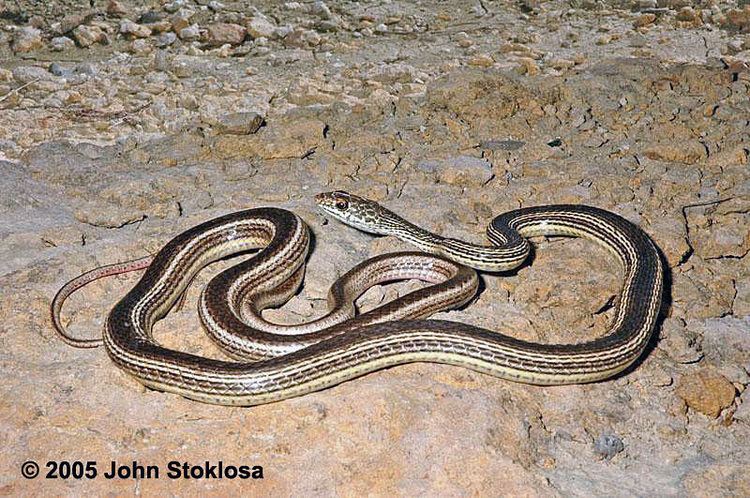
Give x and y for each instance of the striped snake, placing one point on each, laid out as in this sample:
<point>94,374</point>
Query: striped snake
<point>277,362</point>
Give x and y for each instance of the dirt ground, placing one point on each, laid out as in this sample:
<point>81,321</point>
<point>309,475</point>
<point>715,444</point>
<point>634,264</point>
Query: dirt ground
<point>123,123</point>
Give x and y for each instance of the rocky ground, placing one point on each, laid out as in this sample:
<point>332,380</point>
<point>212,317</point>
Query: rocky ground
<point>123,123</point>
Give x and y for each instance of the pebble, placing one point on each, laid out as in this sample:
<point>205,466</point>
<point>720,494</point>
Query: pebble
<point>88,35</point>
<point>327,26</point>
<point>738,19</point>
<point>61,43</point>
<point>706,392</point>
<point>116,9</point>
<point>688,14</point>
<point>133,30</point>
<point>735,46</point>
<point>381,28</point>
<point>225,33</point>
<point>87,68</point>
<point>644,20</point>
<point>150,16</point>
<point>72,21</point>
<point>302,38</point>
<point>743,412</point>
<point>27,74</point>
<point>180,20</point>
<point>215,6</point>
<point>140,47</point>
<point>321,10</point>
<point>239,123</point>
<point>27,39</point>
<point>59,70</point>
<point>528,66</point>
<point>481,60</point>
<point>173,7</point>
<point>189,33</point>
<point>463,40</point>
<point>260,26</point>
<point>165,39</point>
<point>608,445</point>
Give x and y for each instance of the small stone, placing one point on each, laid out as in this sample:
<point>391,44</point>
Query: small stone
<point>226,33</point>
<point>140,47</point>
<point>87,68</point>
<point>283,31</point>
<point>116,9</point>
<point>180,20</point>
<point>150,16</point>
<point>327,26</point>
<point>381,28</point>
<point>743,412</point>
<point>689,152</point>
<point>463,40</point>
<point>72,21</point>
<point>191,33</point>
<point>321,10</point>
<point>481,60</point>
<point>59,70</point>
<point>27,39</point>
<point>260,26</point>
<point>173,7</point>
<point>189,102</point>
<point>27,74</point>
<point>239,123</point>
<point>608,445</point>
<point>159,27</point>
<point>61,43</point>
<point>561,64</point>
<point>133,30</point>
<point>165,39</point>
<point>302,38</point>
<point>224,51</point>
<point>735,46</point>
<point>688,14</point>
<point>706,392</point>
<point>88,35</point>
<point>737,18</point>
<point>528,66</point>
<point>515,48</point>
<point>215,6</point>
<point>644,20</point>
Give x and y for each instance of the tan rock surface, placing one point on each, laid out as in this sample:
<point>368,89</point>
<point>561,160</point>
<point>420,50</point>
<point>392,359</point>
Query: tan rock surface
<point>109,149</point>
<point>707,392</point>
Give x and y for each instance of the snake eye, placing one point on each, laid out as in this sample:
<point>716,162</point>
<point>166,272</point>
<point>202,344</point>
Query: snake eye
<point>342,204</point>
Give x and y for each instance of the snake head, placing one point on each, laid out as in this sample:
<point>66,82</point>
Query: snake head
<point>358,212</point>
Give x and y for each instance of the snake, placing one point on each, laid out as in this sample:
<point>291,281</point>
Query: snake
<point>270,363</point>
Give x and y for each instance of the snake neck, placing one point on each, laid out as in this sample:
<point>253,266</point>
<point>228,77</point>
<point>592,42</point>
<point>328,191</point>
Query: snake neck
<point>503,257</point>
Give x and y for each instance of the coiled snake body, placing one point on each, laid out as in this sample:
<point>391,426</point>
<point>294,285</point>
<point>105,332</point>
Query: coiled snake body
<point>277,362</point>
